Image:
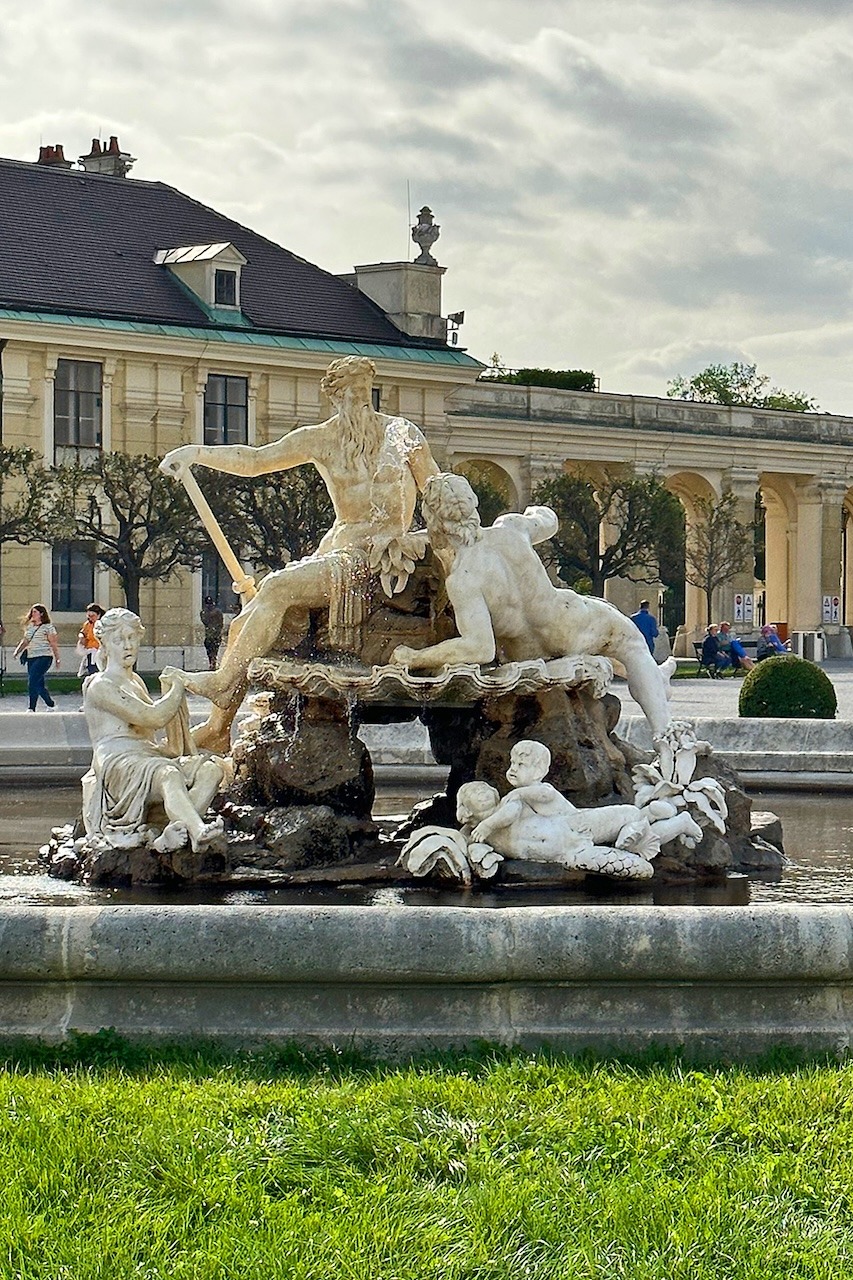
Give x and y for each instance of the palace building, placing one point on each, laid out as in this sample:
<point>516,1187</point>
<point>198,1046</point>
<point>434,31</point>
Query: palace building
<point>134,318</point>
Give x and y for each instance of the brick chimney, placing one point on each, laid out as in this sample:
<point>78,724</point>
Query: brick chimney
<point>54,155</point>
<point>108,160</point>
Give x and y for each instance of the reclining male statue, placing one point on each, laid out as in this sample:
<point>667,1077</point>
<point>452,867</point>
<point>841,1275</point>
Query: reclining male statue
<point>506,606</point>
<point>373,466</point>
<point>130,771</point>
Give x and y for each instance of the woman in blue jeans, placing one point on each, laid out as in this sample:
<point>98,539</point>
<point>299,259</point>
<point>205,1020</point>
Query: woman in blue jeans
<point>42,646</point>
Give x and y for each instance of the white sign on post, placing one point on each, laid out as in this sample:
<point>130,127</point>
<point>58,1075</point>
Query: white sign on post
<point>748,607</point>
<point>836,609</point>
<point>826,610</point>
<point>738,612</point>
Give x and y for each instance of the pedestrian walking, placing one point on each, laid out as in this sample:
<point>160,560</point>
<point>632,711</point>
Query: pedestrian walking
<point>212,621</point>
<point>645,622</point>
<point>39,648</point>
<point>87,642</point>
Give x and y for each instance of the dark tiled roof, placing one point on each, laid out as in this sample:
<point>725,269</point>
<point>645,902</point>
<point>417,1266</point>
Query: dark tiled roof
<point>77,242</point>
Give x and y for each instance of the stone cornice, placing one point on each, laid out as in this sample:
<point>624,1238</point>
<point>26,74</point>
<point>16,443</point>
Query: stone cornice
<point>535,405</point>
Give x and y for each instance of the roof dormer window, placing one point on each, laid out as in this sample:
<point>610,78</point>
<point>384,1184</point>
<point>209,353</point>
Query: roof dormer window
<point>210,271</point>
<point>225,288</point>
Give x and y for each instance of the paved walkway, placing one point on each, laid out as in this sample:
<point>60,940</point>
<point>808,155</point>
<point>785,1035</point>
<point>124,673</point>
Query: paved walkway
<point>717,699</point>
<point>691,697</point>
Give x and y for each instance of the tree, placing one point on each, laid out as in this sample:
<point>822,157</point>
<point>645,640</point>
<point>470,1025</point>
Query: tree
<point>25,496</point>
<point>738,384</point>
<point>491,500</point>
<point>718,546</point>
<point>139,523</point>
<point>640,514</point>
<point>272,519</point>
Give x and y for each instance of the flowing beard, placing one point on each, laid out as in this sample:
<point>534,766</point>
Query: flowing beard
<point>357,444</point>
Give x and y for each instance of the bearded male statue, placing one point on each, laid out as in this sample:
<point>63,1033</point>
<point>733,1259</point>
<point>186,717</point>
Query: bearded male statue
<point>373,466</point>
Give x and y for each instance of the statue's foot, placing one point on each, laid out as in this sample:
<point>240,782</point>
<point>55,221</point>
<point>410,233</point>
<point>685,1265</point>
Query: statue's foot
<point>174,836</point>
<point>209,833</point>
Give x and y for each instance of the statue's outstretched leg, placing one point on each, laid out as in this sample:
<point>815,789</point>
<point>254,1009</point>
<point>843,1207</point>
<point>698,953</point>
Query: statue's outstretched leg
<point>648,684</point>
<point>305,584</point>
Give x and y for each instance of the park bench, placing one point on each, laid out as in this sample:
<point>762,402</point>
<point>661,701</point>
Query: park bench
<point>750,647</point>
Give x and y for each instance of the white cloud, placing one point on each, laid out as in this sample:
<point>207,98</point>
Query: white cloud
<point>619,187</point>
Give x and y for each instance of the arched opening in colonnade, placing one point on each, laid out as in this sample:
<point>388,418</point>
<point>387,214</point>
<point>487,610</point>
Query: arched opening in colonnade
<point>688,487</point>
<point>494,486</point>
<point>777,511</point>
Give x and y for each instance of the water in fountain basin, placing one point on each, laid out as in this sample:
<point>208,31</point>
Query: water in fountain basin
<point>818,837</point>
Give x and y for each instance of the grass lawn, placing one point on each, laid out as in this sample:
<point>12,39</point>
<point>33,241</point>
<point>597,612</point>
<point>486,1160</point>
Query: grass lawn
<point>120,1164</point>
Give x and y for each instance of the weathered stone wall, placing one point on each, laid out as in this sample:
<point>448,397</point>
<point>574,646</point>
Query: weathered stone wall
<point>716,981</point>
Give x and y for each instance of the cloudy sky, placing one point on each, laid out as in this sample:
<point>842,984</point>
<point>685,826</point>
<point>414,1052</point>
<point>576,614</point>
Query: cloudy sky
<point>635,188</point>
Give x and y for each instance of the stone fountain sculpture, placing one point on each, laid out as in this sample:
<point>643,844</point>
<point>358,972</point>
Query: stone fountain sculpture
<point>534,822</point>
<point>457,624</point>
<point>143,801</point>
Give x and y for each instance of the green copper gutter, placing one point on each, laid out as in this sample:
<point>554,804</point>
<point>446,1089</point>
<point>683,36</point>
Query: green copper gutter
<point>252,338</point>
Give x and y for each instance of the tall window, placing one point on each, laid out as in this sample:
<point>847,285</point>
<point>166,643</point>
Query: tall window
<point>225,288</point>
<point>216,581</point>
<point>76,406</point>
<point>73,577</point>
<point>226,410</point>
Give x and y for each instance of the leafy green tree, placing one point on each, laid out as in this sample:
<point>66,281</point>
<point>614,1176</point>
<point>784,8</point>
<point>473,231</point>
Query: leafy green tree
<point>273,519</point>
<point>492,501</point>
<point>738,384</point>
<point>719,546</point>
<point>25,496</point>
<point>642,516</point>
<point>138,522</point>
<point>563,379</point>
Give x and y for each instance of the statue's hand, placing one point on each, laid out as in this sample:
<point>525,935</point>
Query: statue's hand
<point>172,675</point>
<point>403,656</point>
<point>481,832</point>
<point>176,461</point>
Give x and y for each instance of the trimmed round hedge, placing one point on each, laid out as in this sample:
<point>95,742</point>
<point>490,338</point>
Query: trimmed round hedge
<point>787,686</point>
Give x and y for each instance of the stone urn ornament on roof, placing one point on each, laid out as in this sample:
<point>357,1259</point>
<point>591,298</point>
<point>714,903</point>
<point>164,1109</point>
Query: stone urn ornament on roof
<point>425,232</point>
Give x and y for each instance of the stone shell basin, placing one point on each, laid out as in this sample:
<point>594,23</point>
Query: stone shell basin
<point>459,685</point>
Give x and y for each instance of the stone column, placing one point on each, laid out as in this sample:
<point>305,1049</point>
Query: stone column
<point>108,369</point>
<point>48,443</point>
<point>743,483</point>
<point>847,566</point>
<point>833,491</point>
<point>817,566</point>
<point>533,472</point>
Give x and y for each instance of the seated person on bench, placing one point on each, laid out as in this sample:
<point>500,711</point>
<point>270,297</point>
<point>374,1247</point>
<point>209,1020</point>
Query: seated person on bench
<point>731,645</point>
<point>770,645</point>
<point>712,656</point>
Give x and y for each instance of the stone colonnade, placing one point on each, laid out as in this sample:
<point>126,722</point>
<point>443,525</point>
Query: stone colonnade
<point>800,466</point>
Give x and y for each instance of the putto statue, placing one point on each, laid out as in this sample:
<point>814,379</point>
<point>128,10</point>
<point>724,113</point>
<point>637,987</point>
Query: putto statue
<point>130,771</point>
<point>534,822</point>
<point>506,606</point>
<point>373,466</point>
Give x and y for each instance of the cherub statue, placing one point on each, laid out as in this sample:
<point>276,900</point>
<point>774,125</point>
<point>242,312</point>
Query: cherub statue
<point>130,771</point>
<point>536,823</point>
<point>506,606</point>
